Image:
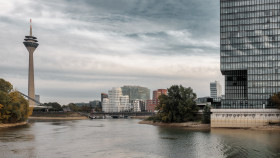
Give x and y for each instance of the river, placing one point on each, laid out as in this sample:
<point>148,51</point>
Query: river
<point>117,138</point>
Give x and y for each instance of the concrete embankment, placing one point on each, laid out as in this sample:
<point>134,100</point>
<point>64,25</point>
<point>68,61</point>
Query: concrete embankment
<point>244,118</point>
<point>186,125</point>
<point>7,125</point>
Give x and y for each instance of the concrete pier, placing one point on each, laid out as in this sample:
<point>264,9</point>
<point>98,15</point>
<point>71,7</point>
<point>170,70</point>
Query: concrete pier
<point>244,118</point>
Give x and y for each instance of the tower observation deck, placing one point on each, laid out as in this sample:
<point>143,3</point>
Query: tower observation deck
<point>31,43</point>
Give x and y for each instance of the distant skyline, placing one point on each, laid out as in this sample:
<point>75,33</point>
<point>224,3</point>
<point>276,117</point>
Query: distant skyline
<point>88,47</point>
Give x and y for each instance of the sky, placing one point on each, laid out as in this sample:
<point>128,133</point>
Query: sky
<point>86,47</point>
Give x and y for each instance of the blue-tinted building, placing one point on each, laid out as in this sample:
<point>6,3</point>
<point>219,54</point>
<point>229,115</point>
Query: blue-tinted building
<point>250,58</point>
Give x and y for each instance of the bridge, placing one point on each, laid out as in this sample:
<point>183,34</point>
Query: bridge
<point>116,114</point>
<point>40,105</point>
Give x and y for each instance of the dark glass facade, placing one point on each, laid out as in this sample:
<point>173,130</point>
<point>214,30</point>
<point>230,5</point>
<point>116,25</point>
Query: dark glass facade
<point>249,43</point>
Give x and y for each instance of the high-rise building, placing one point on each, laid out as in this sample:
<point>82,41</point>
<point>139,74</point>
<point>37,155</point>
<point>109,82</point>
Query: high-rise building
<point>95,104</point>
<point>103,95</point>
<point>116,101</point>
<point>31,43</point>
<point>138,105</point>
<point>215,89</point>
<point>37,98</point>
<point>151,104</point>
<point>136,92</point>
<point>250,58</point>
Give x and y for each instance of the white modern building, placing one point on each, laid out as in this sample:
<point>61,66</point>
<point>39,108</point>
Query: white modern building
<point>215,90</point>
<point>116,101</point>
<point>136,105</point>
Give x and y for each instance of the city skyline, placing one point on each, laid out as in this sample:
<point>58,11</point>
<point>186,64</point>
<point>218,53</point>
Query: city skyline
<point>88,47</point>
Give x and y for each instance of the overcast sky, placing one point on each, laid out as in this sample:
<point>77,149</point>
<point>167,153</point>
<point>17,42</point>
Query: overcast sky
<point>89,46</point>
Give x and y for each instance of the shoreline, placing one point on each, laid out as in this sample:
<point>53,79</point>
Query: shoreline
<point>266,128</point>
<point>185,125</point>
<point>197,125</point>
<point>8,125</point>
<point>139,117</point>
<point>58,118</point>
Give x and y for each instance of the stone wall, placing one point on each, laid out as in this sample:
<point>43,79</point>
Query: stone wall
<point>242,118</point>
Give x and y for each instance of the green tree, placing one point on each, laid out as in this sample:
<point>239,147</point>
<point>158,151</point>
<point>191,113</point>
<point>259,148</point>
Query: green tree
<point>13,106</point>
<point>177,106</point>
<point>5,86</point>
<point>73,107</point>
<point>274,100</point>
<point>206,114</point>
<point>54,106</point>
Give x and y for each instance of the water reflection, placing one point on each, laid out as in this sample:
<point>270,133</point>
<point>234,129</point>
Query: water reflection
<point>15,142</point>
<point>248,143</point>
<point>127,138</point>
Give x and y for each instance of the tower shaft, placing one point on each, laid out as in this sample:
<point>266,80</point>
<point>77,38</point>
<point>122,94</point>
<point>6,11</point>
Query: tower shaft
<point>31,44</point>
<point>31,84</point>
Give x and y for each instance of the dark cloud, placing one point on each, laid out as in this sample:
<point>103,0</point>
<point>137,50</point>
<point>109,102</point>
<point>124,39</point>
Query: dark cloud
<point>88,46</point>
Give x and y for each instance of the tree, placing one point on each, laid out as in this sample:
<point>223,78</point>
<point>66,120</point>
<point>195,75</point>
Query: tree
<point>177,106</point>
<point>274,100</point>
<point>73,107</point>
<point>54,106</point>
<point>5,86</point>
<point>206,114</point>
<point>13,107</point>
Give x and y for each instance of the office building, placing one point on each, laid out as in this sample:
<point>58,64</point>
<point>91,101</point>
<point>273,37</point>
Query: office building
<point>250,58</point>
<point>37,98</point>
<point>95,104</point>
<point>151,104</point>
<point>103,95</point>
<point>215,89</point>
<point>136,92</point>
<point>116,101</point>
<point>138,105</point>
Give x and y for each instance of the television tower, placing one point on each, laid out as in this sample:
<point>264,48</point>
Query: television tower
<point>31,44</point>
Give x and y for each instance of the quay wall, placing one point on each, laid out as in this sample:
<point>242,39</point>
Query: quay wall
<point>244,118</point>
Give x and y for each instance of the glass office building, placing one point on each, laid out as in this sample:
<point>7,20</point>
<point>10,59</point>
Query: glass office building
<point>250,58</point>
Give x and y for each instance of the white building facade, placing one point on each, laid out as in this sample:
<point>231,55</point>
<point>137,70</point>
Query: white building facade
<point>136,105</point>
<point>116,102</point>
<point>215,90</point>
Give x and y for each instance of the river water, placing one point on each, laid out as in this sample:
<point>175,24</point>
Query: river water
<point>114,138</point>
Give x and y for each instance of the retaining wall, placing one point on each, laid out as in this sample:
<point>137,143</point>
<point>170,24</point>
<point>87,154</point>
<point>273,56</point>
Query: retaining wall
<point>244,118</point>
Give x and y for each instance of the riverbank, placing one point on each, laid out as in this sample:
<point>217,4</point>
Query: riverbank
<point>186,125</point>
<point>57,116</point>
<point>267,128</point>
<point>139,117</point>
<point>7,125</point>
<point>197,125</point>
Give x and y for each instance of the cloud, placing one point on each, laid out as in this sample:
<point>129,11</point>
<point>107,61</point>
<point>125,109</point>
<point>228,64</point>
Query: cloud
<point>87,47</point>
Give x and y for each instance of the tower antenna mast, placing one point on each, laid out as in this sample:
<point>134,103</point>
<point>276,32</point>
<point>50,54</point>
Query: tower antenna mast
<point>30,27</point>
